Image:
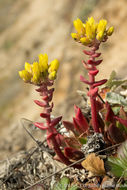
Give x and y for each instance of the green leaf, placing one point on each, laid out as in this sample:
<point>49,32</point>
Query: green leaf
<point>62,184</point>
<point>82,140</point>
<point>115,98</point>
<point>116,169</point>
<point>109,82</point>
<point>116,109</point>
<point>121,126</point>
<point>74,187</point>
<point>123,186</point>
<point>119,165</point>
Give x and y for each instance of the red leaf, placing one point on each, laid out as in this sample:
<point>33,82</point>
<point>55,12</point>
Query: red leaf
<point>77,126</point>
<point>69,126</point>
<point>99,83</point>
<point>115,134</point>
<point>91,62</point>
<point>40,126</point>
<point>73,154</point>
<point>109,115</point>
<point>55,121</point>
<point>82,79</point>
<point>44,115</point>
<point>93,92</point>
<point>72,142</point>
<point>122,121</point>
<point>40,103</point>
<point>93,72</point>
<point>88,52</point>
<point>96,55</point>
<point>80,120</point>
<point>122,113</point>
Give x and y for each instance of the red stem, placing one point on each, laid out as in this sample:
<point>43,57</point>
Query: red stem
<point>92,72</point>
<point>50,129</point>
<point>93,106</point>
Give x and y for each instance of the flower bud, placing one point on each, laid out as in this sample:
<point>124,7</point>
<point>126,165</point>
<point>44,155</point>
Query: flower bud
<point>110,31</point>
<point>28,67</point>
<point>52,75</point>
<point>54,65</point>
<point>25,75</point>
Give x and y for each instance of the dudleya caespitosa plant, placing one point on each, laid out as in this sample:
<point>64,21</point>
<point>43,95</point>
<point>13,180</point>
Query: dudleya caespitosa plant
<point>92,34</point>
<point>43,74</point>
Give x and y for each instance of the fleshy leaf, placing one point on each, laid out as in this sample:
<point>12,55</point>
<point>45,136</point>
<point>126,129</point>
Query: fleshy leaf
<point>74,187</point>
<point>109,115</point>
<point>111,78</point>
<point>73,154</point>
<point>112,82</point>
<point>81,120</point>
<point>72,142</point>
<point>115,98</point>
<point>119,165</point>
<point>62,184</point>
<point>115,134</point>
<point>82,140</point>
<point>123,121</point>
<point>69,126</point>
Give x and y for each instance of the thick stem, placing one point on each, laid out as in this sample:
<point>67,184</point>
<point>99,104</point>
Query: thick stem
<point>50,128</point>
<point>94,115</point>
<point>55,144</point>
<point>92,92</point>
<point>93,105</point>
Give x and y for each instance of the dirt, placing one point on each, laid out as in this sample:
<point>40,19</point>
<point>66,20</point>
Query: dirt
<point>39,26</point>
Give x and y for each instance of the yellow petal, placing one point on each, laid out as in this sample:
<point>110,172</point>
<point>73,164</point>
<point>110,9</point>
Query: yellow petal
<point>91,28</point>
<point>85,41</point>
<point>91,20</point>
<point>102,26</point>
<point>79,26</point>
<point>110,31</point>
<point>54,65</point>
<point>43,62</point>
<point>52,75</point>
<point>28,67</point>
<point>35,79</point>
<point>25,75</point>
<point>36,72</point>
<point>100,35</point>
<point>75,36</point>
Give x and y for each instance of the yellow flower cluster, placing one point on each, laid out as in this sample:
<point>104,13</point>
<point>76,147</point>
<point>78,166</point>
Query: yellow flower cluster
<point>40,71</point>
<point>90,31</point>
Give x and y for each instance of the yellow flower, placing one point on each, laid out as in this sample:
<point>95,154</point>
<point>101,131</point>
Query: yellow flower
<point>36,73</point>
<point>88,32</point>
<point>75,36</point>
<point>85,41</point>
<point>43,62</point>
<point>28,67</point>
<point>39,72</point>
<point>102,26</point>
<point>52,75</point>
<point>91,28</point>
<point>79,26</point>
<point>101,29</point>
<point>25,75</point>
<point>110,31</point>
<point>54,65</point>
<point>100,35</point>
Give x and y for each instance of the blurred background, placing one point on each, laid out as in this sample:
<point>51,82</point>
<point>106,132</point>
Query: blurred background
<point>31,27</point>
